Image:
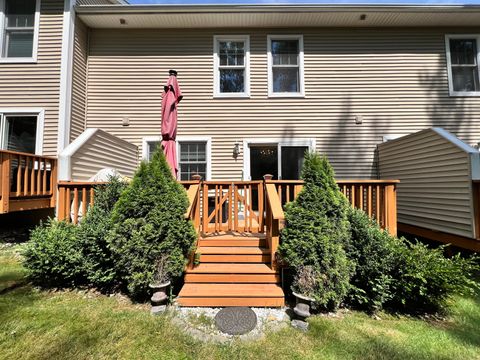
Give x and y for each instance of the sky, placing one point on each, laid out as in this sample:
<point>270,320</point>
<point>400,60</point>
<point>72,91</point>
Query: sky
<point>308,2</point>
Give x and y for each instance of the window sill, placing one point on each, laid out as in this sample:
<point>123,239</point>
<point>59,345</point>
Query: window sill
<point>286,95</point>
<point>231,96</point>
<point>18,60</point>
<point>464,94</point>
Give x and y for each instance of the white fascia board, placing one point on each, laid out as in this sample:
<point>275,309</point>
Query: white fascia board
<point>65,157</point>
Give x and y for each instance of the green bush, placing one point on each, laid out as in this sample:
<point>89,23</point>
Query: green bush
<point>394,273</point>
<point>53,256</point>
<point>373,251</point>
<point>148,223</point>
<point>316,230</point>
<point>424,279</point>
<point>93,233</point>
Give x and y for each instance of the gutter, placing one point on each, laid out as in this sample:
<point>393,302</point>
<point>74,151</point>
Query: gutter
<point>262,8</point>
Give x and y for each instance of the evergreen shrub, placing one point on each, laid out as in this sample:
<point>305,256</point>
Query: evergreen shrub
<point>53,257</point>
<point>148,222</point>
<point>316,231</point>
<point>93,236</point>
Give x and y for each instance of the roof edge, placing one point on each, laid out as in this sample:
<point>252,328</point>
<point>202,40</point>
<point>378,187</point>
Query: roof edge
<point>121,6</point>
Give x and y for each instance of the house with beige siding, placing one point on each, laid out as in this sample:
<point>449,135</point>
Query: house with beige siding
<point>261,84</point>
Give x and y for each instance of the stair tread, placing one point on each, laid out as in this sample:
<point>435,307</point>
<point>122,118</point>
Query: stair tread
<point>231,290</point>
<point>223,268</point>
<point>232,236</point>
<point>232,250</point>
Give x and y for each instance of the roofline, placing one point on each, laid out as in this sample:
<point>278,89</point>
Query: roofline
<point>267,8</point>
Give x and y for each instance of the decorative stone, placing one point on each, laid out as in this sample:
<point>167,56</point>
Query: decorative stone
<point>236,320</point>
<point>300,325</point>
<point>156,310</point>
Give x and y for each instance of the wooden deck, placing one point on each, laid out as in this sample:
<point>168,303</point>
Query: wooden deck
<point>238,225</point>
<point>27,181</point>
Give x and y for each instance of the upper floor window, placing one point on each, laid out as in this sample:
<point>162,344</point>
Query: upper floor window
<point>231,58</point>
<point>285,65</point>
<point>19,29</point>
<point>462,59</point>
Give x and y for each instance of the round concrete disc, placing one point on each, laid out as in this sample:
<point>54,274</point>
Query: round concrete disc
<point>236,320</point>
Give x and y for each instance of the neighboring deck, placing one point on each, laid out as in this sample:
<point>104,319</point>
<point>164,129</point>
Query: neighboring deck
<point>27,181</point>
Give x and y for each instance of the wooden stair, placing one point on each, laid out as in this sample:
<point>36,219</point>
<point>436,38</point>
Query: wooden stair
<point>234,270</point>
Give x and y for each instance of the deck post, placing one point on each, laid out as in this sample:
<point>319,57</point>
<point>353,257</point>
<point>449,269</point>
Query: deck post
<point>5,203</point>
<point>391,209</point>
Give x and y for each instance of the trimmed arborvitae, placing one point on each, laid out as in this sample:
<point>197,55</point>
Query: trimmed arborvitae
<point>316,231</point>
<point>148,223</point>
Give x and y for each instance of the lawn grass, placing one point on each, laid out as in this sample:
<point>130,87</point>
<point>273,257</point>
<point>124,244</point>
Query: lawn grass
<point>38,324</point>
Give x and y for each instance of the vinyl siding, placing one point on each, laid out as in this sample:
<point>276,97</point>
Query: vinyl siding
<point>435,189</point>
<point>103,150</point>
<point>79,83</point>
<point>395,78</point>
<point>38,84</point>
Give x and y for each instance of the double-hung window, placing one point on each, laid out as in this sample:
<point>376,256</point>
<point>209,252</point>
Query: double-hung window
<point>463,64</point>
<point>192,155</point>
<point>231,59</point>
<point>19,20</point>
<point>192,159</point>
<point>285,65</point>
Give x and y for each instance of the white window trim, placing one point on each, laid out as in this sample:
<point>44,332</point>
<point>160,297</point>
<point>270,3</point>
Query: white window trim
<point>216,63</point>
<point>449,63</point>
<point>308,142</point>
<point>180,139</point>
<point>34,57</point>
<point>300,66</point>
<point>38,112</point>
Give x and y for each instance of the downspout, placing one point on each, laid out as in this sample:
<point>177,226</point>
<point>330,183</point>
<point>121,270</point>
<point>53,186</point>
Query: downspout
<point>65,96</point>
<point>64,108</point>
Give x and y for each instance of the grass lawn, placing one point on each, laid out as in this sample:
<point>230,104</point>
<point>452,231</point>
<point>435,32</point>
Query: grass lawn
<point>74,325</point>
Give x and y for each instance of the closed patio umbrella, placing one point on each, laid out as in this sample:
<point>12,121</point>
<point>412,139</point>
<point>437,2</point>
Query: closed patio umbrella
<point>170,100</point>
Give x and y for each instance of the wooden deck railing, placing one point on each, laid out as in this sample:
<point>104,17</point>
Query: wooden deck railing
<point>27,181</point>
<point>257,206</point>
<point>74,198</point>
<point>376,197</point>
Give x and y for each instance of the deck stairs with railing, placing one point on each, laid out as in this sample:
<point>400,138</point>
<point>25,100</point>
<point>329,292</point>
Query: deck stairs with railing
<point>238,226</point>
<point>233,269</point>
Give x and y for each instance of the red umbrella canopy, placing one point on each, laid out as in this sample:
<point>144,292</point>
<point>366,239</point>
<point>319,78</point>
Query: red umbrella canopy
<point>171,97</point>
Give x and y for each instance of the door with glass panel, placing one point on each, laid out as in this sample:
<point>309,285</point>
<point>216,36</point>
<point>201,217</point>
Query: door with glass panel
<point>283,161</point>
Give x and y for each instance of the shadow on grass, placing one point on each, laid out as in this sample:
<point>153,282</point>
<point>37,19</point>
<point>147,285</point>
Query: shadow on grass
<point>364,341</point>
<point>467,324</point>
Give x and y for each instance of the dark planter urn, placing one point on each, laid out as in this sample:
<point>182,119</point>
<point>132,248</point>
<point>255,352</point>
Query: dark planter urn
<point>159,294</point>
<point>302,307</point>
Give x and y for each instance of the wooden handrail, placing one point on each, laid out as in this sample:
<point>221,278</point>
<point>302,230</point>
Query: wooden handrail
<point>274,202</point>
<point>192,194</point>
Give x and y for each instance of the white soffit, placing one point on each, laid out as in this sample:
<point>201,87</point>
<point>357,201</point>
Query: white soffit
<point>276,16</point>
